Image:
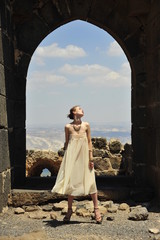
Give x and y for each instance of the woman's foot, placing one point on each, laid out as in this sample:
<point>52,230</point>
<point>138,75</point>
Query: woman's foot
<point>98,216</point>
<point>68,215</point>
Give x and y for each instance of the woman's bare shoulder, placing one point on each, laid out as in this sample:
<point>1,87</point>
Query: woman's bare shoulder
<point>86,124</point>
<point>67,126</point>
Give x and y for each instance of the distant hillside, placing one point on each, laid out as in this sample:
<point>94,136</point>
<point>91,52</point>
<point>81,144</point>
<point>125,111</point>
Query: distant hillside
<point>52,137</point>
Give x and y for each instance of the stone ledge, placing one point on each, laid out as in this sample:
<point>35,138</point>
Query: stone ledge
<point>20,197</point>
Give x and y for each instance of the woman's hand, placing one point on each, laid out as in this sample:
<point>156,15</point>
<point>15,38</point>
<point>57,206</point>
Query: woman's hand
<point>91,165</point>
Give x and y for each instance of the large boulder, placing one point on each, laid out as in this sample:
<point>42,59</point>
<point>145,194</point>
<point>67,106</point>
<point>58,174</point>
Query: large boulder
<point>99,142</point>
<point>138,214</point>
<point>115,145</point>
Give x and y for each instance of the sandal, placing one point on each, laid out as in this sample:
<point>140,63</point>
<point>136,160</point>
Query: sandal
<point>98,217</point>
<point>68,215</point>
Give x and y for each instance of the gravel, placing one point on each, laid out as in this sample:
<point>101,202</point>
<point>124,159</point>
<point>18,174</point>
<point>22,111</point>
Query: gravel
<point>81,228</point>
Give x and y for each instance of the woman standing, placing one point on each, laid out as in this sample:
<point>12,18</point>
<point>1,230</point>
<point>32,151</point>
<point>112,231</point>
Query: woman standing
<point>76,175</point>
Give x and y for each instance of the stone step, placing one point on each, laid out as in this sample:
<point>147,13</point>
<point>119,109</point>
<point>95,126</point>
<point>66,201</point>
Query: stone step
<point>21,197</point>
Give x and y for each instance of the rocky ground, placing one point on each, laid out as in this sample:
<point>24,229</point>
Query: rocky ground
<point>125,221</point>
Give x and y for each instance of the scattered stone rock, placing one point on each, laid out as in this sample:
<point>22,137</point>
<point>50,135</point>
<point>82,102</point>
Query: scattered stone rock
<point>123,207</point>
<point>102,210</point>
<point>99,142</point>
<point>116,161</point>
<point>47,208</point>
<point>115,145</point>
<point>138,214</point>
<point>19,211</point>
<point>38,215</point>
<point>60,206</point>
<point>110,218</point>
<point>53,215</point>
<point>154,230</point>
<point>107,204</point>
<point>113,209</point>
<point>89,206</point>
<point>61,152</point>
<point>83,212</point>
<point>102,164</point>
<point>65,210</point>
<point>31,208</point>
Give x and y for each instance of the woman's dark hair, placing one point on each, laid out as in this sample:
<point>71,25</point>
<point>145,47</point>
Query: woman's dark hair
<point>71,114</point>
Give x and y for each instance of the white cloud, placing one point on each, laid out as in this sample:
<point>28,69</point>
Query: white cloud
<point>98,75</point>
<point>54,51</point>
<point>42,79</point>
<point>84,69</point>
<point>115,50</point>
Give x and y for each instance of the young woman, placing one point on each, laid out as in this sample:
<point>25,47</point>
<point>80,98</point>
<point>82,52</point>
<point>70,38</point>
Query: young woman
<point>76,175</point>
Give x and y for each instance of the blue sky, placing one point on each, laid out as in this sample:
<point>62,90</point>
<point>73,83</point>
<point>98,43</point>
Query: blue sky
<point>78,64</point>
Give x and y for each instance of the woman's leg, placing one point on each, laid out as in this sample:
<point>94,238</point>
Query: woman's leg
<point>96,209</point>
<point>69,212</point>
<point>70,201</point>
<point>95,199</point>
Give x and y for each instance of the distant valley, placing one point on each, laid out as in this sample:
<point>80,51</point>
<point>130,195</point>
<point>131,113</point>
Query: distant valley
<point>52,137</point>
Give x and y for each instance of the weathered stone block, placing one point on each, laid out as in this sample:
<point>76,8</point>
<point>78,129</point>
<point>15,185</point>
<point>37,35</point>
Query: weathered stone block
<point>115,145</point>
<point>5,188</point>
<point>16,113</point>
<point>99,142</point>
<point>9,83</point>
<point>1,48</point>
<point>3,112</point>
<point>20,114</point>
<point>4,150</point>
<point>19,146</point>
<point>18,176</point>
<point>140,144</point>
<point>102,164</point>
<point>154,116</point>
<point>140,116</point>
<point>50,14</point>
<point>6,47</point>
<point>116,162</point>
<point>139,63</point>
<point>11,113</point>
<point>140,174</point>
<point>141,89</point>
<point>2,80</point>
<point>5,12</point>
<point>28,38</point>
<point>133,44</point>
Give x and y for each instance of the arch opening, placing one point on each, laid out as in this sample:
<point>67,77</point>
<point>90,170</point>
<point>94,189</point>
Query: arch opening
<point>96,74</point>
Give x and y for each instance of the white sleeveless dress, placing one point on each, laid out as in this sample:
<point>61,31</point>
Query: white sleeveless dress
<point>74,176</point>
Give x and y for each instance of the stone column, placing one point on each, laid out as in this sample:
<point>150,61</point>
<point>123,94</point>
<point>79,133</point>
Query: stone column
<point>5,69</point>
<point>153,67</point>
<point>139,120</point>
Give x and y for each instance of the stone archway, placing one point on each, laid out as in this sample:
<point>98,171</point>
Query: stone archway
<point>111,16</point>
<point>135,26</point>
<point>39,160</point>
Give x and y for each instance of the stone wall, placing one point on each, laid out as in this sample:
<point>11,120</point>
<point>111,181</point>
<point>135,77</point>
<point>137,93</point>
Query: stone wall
<point>110,159</point>
<point>5,71</point>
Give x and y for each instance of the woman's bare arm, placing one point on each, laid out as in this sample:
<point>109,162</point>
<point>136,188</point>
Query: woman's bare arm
<point>91,165</point>
<point>89,137</point>
<point>66,136</point>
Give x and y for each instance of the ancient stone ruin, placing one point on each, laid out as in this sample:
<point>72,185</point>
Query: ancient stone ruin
<point>133,24</point>
<point>110,159</point>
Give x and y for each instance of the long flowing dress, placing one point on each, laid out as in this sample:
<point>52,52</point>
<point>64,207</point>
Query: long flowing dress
<point>75,177</point>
